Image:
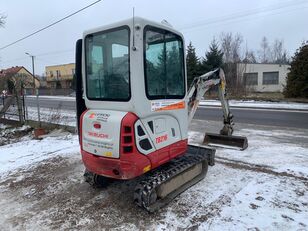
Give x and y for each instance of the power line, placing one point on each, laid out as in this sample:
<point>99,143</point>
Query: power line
<point>236,20</point>
<point>242,14</point>
<point>53,53</point>
<point>235,17</point>
<point>50,25</point>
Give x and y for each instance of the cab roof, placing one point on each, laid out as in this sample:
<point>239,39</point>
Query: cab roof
<point>138,21</point>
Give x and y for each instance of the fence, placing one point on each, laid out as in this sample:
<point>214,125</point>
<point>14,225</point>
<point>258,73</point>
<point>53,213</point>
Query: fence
<point>52,91</point>
<point>12,108</point>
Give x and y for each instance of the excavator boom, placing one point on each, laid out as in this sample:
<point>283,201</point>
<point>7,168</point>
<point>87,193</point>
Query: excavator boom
<point>196,92</point>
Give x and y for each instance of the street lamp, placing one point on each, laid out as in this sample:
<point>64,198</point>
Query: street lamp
<point>32,57</point>
<point>37,92</point>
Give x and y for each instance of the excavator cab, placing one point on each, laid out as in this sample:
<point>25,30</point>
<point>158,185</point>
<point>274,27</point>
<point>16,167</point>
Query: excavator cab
<point>131,97</point>
<point>132,110</point>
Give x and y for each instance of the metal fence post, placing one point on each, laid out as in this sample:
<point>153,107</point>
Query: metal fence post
<point>25,105</point>
<point>38,106</point>
<point>3,105</point>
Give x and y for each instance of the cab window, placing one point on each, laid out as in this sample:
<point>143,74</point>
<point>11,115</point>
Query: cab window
<point>164,64</point>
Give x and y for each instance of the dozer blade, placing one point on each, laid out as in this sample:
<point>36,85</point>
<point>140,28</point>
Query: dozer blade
<point>162,185</point>
<point>212,139</point>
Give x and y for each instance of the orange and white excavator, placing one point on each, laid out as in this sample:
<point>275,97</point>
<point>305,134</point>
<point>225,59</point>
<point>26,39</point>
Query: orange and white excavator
<point>134,109</point>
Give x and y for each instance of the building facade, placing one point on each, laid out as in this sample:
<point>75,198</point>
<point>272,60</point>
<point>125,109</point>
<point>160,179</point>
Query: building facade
<point>60,76</point>
<point>263,77</point>
<point>18,73</point>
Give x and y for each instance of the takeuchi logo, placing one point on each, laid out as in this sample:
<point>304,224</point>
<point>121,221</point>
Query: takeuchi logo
<point>92,115</point>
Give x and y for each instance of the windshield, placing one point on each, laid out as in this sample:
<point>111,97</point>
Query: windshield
<point>164,64</point>
<point>107,65</point>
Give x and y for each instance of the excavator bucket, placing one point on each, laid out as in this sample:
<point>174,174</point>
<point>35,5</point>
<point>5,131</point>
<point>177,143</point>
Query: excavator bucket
<point>238,142</point>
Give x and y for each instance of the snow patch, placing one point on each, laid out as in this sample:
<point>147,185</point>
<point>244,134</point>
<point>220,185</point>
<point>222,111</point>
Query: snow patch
<point>30,152</point>
<point>258,104</point>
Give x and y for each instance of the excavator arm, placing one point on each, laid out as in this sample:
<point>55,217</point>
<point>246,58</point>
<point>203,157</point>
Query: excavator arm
<point>196,92</point>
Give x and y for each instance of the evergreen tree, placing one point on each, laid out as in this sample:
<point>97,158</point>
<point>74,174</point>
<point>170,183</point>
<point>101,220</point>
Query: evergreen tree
<point>192,63</point>
<point>297,80</point>
<point>174,71</point>
<point>213,58</point>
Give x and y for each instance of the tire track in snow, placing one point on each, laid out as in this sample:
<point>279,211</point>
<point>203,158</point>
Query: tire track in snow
<point>257,168</point>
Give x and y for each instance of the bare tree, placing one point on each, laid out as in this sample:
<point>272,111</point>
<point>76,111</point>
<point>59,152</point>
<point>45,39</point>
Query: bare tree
<point>2,20</point>
<point>231,47</point>
<point>226,44</point>
<point>15,84</point>
<point>250,57</point>
<point>237,47</point>
<point>279,53</point>
<point>265,51</point>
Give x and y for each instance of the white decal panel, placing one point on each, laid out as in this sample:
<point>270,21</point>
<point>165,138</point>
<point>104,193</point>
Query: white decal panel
<point>164,105</point>
<point>101,132</point>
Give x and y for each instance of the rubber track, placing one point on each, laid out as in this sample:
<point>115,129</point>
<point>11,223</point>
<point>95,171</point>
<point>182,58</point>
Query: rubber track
<point>145,191</point>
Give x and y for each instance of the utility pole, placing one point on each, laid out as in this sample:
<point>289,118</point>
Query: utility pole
<point>32,58</point>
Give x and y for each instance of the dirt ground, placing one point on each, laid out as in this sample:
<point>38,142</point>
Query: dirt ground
<point>52,195</point>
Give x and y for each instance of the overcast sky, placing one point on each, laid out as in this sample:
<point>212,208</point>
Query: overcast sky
<point>198,20</point>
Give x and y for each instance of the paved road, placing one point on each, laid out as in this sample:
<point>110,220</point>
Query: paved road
<point>281,118</point>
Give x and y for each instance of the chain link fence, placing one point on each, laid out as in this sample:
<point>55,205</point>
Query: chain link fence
<point>12,111</point>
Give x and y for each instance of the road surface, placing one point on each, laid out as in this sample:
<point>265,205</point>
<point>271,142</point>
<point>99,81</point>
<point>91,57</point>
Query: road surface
<point>281,118</point>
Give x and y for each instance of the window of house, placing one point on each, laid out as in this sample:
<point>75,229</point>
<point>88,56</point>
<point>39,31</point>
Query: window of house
<point>251,78</point>
<point>107,65</point>
<point>270,78</point>
<point>51,73</point>
<point>164,64</point>
<point>73,71</point>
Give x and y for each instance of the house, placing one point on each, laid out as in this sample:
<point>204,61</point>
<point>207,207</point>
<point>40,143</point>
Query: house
<point>60,76</point>
<point>18,72</point>
<point>263,77</point>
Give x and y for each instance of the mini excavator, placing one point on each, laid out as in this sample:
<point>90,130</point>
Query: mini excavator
<point>134,109</point>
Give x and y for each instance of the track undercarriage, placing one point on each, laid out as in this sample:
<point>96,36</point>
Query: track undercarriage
<point>162,185</point>
<point>158,187</point>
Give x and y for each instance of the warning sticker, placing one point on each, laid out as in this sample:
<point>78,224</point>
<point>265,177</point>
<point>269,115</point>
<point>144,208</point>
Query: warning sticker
<point>167,105</point>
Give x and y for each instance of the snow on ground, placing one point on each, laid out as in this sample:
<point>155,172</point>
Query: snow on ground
<point>11,134</point>
<point>41,188</point>
<point>30,151</point>
<point>258,104</point>
<point>268,148</point>
<point>3,126</point>
<point>60,97</point>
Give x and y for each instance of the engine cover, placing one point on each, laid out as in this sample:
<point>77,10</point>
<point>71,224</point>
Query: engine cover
<point>101,132</point>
